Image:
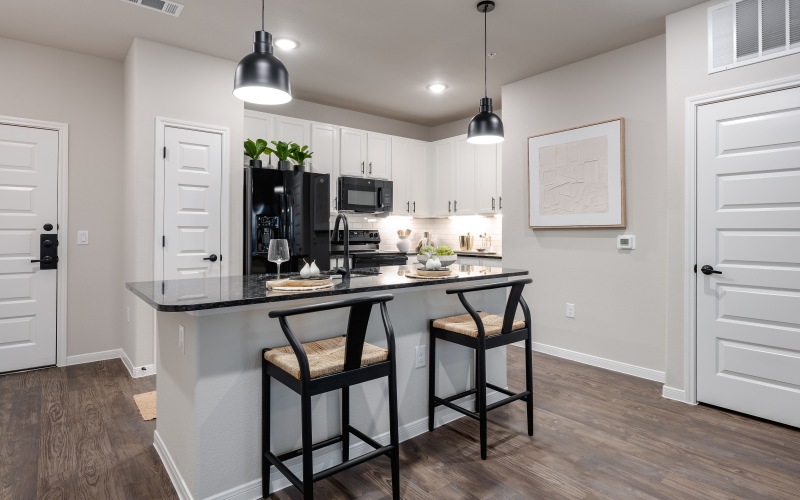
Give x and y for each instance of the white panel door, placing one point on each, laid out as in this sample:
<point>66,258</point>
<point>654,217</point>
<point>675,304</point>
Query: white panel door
<point>464,177</point>
<point>353,152</point>
<point>291,130</point>
<point>192,204</point>
<point>486,178</point>
<point>401,175</point>
<point>748,229</point>
<point>325,146</point>
<point>28,201</point>
<point>379,155</point>
<point>257,125</point>
<point>420,179</point>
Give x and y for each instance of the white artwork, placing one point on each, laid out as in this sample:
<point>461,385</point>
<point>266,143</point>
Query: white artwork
<point>577,177</point>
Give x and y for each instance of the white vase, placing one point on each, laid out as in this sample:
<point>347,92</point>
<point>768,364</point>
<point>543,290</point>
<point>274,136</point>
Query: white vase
<point>403,244</point>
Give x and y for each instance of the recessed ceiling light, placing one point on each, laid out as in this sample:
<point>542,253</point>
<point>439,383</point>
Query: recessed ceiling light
<point>437,88</point>
<point>286,43</point>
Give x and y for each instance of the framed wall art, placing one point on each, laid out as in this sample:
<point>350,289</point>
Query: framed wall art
<point>577,177</point>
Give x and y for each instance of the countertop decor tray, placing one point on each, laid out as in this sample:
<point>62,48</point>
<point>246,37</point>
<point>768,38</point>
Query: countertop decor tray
<point>299,285</point>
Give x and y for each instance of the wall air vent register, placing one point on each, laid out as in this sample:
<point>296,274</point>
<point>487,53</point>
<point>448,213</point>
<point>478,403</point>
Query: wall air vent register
<point>165,7</point>
<point>744,32</point>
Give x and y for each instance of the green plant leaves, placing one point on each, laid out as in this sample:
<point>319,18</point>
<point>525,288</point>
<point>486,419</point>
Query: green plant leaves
<point>298,154</point>
<point>255,149</point>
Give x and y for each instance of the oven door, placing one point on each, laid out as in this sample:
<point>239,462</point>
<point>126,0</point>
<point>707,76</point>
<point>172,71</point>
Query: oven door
<point>361,261</point>
<point>364,195</point>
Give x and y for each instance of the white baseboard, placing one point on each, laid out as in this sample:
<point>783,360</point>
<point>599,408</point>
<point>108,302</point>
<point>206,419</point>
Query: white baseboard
<point>608,364</point>
<point>675,394</point>
<point>137,371</point>
<point>91,357</point>
<point>177,481</point>
<point>252,490</point>
<point>134,371</point>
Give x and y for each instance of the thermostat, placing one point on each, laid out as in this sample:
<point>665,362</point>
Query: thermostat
<point>626,242</point>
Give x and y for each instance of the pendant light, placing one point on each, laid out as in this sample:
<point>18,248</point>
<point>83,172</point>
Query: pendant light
<point>486,127</point>
<point>261,78</point>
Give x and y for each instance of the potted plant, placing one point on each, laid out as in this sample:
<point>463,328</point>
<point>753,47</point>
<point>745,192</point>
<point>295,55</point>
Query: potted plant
<point>299,155</point>
<point>281,151</point>
<point>254,151</point>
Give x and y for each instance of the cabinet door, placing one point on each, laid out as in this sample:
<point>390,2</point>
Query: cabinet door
<point>401,175</point>
<point>379,155</point>
<point>257,125</point>
<point>442,196</point>
<point>353,152</point>
<point>464,177</point>
<point>291,130</point>
<point>499,178</point>
<point>325,146</point>
<point>420,179</point>
<point>486,201</point>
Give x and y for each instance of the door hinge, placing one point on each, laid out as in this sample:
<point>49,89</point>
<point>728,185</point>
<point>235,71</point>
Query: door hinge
<point>165,152</point>
<point>163,241</point>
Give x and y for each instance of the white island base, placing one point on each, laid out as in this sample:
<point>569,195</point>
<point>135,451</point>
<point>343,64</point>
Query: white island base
<point>209,392</point>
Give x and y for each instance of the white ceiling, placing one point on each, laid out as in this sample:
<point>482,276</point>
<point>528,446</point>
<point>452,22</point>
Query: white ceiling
<point>374,56</point>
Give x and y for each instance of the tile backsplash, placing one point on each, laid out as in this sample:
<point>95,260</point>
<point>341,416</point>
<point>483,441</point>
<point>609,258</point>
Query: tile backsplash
<point>444,231</point>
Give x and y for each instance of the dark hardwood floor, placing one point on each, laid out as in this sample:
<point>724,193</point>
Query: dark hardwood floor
<point>75,433</point>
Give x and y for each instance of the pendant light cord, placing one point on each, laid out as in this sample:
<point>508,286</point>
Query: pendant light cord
<point>485,54</point>
<point>262,15</point>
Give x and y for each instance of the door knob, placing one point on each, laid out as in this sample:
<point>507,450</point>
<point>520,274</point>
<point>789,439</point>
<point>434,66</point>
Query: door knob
<point>212,258</point>
<point>708,270</point>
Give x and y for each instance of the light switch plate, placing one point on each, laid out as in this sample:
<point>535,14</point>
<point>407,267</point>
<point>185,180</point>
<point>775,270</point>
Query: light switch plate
<point>83,237</point>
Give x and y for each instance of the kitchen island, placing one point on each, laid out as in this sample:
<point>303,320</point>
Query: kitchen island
<point>210,336</point>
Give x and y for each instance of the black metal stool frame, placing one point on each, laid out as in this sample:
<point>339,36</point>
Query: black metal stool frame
<point>306,387</point>
<point>480,345</point>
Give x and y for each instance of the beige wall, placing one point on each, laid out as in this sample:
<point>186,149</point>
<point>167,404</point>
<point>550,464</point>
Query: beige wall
<point>86,93</point>
<point>306,110</point>
<point>168,82</point>
<point>687,76</point>
<point>619,296</point>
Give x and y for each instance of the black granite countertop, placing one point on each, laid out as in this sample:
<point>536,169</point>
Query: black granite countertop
<point>214,293</point>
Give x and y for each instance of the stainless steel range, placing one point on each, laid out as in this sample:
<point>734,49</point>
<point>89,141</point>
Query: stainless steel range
<point>365,249</point>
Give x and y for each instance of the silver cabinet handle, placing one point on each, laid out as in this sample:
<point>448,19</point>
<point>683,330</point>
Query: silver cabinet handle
<point>449,204</point>
<point>408,206</point>
<point>336,203</point>
<point>455,206</point>
<point>362,167</point>
<point>370,168</point>
<point>415,207</point>
<point>492,203</point>
<point>501,203</point>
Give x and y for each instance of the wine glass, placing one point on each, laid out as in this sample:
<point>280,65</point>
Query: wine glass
<point>278,253</point>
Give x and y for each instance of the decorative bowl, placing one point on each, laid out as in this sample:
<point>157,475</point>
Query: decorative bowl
<point>446,260</point>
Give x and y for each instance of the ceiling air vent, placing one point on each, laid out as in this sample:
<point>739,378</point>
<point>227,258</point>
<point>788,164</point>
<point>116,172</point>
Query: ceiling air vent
<point>166,7</point>
<point>744,32</point>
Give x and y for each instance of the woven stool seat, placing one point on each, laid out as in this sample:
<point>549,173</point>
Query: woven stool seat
<point>465,325</point>
<point>325,357</point>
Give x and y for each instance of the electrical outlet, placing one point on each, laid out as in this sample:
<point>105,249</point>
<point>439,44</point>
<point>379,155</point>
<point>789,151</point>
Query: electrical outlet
<point>128,313</point>
<point>570,310</point>
<point>181,344</point>
<point>419,358</point>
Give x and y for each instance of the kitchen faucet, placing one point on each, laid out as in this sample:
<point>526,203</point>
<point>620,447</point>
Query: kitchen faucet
<point>345,272</point>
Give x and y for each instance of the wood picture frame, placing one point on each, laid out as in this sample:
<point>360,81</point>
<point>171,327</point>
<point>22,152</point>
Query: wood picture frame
<point>576,177</point>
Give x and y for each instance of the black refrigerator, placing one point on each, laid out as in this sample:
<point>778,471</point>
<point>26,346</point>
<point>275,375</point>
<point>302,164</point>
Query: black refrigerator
<point>290,205</point>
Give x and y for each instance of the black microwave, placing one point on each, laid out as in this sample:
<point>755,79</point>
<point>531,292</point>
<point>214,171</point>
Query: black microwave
<point>372,196</point>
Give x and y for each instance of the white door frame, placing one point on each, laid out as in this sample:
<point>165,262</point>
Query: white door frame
<point>62,229</point>
<point>690,219</point>
<point>161,124</point>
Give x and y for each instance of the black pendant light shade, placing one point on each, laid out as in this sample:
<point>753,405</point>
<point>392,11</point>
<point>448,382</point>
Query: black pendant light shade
<point>485,127</point>
<point>261,78</point>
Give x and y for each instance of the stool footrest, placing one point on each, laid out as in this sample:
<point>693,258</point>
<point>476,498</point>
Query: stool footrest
<point>500,389</point>
<point>360,435</point>
<point>299,452</point>
<point>439,401</point>
<point>460,395</point>
<point>284,470</point>
<point>496,404</point>
<point>384,450</point>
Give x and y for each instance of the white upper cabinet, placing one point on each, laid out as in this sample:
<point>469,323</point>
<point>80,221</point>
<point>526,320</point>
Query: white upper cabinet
<point>442,195</point>
<point>499,177</point>
<point>486,199</point>
<point>257,125</point>
<point>379,155</point>
<point>464,177</point>
<point>291,130</point>
<point>353,152</point>
<point>401,175</point>
<point>325,146</point>
<point>420,179</point>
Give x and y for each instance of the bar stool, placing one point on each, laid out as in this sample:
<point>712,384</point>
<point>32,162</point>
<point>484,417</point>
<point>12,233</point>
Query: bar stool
<point>482,331</point>
<point>322,366</point>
